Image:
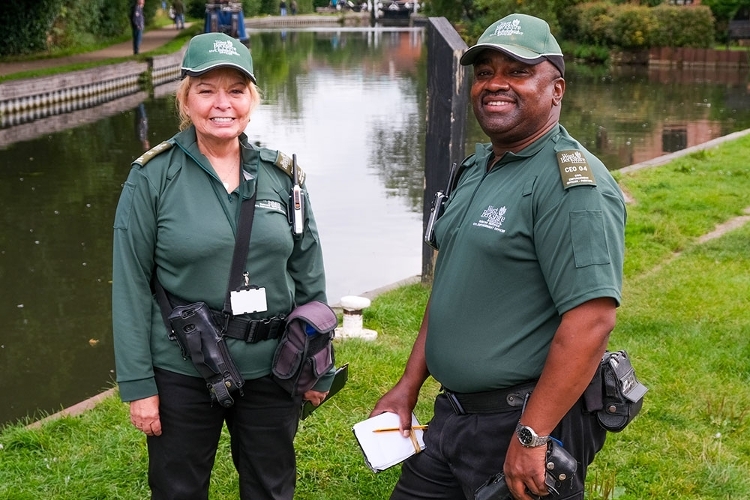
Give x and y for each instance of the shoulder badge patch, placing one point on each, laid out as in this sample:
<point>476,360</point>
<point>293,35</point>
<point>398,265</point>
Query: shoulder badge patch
<point>574,169</point>
<point>284,162</point>
<point>151,153</point>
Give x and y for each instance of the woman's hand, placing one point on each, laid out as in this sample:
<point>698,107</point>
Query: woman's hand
<point>144,414</point>
<point>315,397</point>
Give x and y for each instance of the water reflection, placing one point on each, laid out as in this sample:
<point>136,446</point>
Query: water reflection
<point>141,126</point>
<point>632,114</point>
<point>351,104</point>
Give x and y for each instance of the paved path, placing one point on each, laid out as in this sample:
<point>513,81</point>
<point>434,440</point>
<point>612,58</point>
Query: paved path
<point>152,39</point>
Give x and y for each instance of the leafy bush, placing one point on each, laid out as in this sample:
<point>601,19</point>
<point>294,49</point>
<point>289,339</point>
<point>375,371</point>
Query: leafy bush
<point>681,27</point>
<point>593,21</point>
<point>589,54</point>
<point>632,27</point>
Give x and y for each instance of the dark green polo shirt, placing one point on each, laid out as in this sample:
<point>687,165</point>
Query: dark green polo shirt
<point>175,217</point>
<point>538,235</point>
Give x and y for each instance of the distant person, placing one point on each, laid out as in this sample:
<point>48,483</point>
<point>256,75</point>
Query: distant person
<point>175,225</point>
<point>138,23</point>
<point>293,6</point>
<point>141,126</point>
<point>282,7</point>
<point>179,14</point>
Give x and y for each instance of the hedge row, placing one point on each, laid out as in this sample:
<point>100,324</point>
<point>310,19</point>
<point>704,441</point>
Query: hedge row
<point>39,26</point>
<point>44,26</point>
<point>630,26</point>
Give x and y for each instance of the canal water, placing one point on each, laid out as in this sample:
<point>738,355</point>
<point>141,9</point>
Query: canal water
<point>351,104</point>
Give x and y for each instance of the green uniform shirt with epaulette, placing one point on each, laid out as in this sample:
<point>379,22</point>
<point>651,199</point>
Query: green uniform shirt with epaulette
<point>539,234</point>
<point>175,216</point>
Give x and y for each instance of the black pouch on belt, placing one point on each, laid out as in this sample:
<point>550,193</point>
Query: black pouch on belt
<point>615,394</point>
<point>305,351</point>
<point>200,338</point>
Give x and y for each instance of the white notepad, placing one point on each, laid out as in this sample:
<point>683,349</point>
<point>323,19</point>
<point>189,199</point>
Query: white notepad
<point>386,449</point>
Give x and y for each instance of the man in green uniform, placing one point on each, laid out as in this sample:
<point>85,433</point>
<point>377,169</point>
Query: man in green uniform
<point>526,284</point>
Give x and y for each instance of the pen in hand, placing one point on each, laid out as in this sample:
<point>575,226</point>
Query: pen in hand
<point>390,429</point>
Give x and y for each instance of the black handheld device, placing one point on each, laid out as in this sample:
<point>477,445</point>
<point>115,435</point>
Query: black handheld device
<point>438,207</point>
<point>297,201</point>
<point>560,467</point>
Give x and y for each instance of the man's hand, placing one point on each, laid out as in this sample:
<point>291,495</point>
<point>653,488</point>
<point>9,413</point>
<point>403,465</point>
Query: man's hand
<point>144,414</point>
<point>524,470</point>
<point>400,401</point>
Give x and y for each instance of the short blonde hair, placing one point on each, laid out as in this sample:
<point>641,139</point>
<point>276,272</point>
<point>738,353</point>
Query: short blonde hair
<point>183,89</point>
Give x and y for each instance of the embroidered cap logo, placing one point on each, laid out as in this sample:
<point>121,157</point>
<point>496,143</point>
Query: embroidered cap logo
<point>509,28</point>
<point>224,47</point>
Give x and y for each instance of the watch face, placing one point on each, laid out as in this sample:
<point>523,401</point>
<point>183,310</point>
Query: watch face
<point>525,435</point>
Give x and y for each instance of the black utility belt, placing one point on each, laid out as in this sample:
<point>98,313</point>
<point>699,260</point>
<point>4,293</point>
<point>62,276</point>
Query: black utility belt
<point>497,401</point>
<point>252,330</point>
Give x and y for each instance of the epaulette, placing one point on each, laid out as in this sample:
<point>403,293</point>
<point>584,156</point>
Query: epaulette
<point>283,162</point>
<point>574,169</point>
<point>151,153</point>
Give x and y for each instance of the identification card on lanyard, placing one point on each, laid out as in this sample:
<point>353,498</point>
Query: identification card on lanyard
<point>248,300</point>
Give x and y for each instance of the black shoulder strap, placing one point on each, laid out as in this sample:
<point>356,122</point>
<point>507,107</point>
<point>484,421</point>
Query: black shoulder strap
<point>241,247</point>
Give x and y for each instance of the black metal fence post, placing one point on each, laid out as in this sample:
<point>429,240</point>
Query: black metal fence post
<point>447,107</point>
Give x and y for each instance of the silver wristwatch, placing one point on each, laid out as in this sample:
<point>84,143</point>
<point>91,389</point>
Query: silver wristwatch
<point>528,437</point>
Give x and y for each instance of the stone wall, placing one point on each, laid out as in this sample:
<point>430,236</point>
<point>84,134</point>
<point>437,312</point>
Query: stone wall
<point>26,100</point>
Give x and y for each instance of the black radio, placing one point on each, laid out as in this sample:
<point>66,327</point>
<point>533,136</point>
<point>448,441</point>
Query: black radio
<point>438,207</point>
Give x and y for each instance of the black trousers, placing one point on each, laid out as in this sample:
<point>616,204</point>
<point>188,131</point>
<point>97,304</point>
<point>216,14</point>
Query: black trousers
<point>262,425</point>
<point>463,451</point>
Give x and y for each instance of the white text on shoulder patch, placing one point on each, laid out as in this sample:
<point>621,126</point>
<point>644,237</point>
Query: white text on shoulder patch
<point>574,169</point>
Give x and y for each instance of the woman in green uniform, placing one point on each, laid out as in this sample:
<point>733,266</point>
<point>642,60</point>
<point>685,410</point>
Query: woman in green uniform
<point>176,223</point>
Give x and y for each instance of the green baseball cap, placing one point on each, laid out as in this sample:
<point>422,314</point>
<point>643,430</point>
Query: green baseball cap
<point>522,37</point>
<point>216,50</point>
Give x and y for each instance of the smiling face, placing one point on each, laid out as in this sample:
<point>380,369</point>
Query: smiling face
<point>515,103</point>
<point>219,104</point>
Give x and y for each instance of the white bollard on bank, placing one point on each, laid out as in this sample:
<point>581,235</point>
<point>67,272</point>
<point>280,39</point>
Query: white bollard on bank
<point>351,327</point>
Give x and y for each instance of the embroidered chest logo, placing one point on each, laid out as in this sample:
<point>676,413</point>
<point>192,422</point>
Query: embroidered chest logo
<point>492,218</point>
<point>271,205</point>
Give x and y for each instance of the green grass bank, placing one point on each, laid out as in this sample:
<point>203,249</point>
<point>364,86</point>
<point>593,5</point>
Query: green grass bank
<point>684,321</point>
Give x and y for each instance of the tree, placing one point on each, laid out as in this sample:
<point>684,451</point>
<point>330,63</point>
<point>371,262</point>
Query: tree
<point>724,11</point>
<point>25,24</point>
